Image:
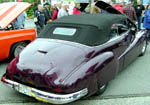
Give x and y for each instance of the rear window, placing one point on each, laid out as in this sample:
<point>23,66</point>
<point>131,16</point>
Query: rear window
<point>64,31</point>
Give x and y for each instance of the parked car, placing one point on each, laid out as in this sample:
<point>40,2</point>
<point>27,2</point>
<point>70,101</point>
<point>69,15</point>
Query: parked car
<point>12,41</point>
<point>76,56</point>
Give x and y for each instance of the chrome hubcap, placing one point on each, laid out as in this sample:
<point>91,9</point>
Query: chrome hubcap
<point>18,50</point>
<point>102,87</point>
<point>144,47</point>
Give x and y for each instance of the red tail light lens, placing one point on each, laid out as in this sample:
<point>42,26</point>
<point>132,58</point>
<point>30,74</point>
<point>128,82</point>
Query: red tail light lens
<point>57,90</point>
<point>3,79</point>
<point>11,68</point>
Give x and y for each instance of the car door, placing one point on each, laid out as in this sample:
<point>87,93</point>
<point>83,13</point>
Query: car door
<point>129,50</point>
<point>133,49</point>
<point>130,44</point>
<point>120,35</point>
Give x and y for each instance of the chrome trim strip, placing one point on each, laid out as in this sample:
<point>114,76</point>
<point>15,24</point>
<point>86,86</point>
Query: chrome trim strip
<point>136,39</point>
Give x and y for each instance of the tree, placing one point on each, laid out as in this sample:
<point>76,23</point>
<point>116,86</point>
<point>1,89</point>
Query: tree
<point>134,2</point>
<point>114,1</point>
<point>32,1</point>
<point>6,1</point>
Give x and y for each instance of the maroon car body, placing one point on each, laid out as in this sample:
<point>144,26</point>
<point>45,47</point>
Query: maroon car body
<point>76,58</point>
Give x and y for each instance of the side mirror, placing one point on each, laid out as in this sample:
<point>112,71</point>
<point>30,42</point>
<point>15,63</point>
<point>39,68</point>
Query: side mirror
<point>133,30</point>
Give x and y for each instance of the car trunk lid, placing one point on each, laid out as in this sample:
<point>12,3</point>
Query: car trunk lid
<point>49,62</point>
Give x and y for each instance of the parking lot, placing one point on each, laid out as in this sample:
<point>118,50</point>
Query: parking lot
<point>130,87</point>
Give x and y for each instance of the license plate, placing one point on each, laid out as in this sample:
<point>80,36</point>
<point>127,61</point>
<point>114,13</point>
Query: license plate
<point>23,89</point>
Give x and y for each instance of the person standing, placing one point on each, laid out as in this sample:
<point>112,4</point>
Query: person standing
<point>130,12</point>
<point>95,9</point>
<point>71,6</point>
<point>19,22</point>
<point>55,11</point>
<point>76,9</point>
<point>39,19</point>
<point>63,11</point>
<point>46,12</point>
<point>119,6</point>
<point>35,7</point>
<point>146,23</point>
<point>139,8</point>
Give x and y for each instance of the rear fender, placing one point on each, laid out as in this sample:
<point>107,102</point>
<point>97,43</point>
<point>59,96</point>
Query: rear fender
<point>145,34</point>
<point>97,71</point>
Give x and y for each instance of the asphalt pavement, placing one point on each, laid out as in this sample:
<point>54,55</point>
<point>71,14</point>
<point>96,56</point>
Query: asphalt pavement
<point>130,87</point>
<point>29,23</point>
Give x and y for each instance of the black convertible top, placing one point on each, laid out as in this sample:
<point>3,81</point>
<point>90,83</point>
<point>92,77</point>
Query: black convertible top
<point>92,29</point>
<point>98,20</point>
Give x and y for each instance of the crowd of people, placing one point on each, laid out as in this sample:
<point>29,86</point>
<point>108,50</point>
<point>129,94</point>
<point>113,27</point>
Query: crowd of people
<point>45,14</point>
<point>137,13</point>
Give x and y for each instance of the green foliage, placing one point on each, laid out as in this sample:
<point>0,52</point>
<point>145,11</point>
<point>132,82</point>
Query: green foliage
<point>135,2</point>
<point>114,1</point>
<point>30,12</point>
<point>6,1</point>
<point>32,1</point>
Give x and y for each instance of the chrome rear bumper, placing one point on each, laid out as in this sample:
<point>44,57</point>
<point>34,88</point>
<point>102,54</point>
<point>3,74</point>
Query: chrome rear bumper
<point>45,96</point>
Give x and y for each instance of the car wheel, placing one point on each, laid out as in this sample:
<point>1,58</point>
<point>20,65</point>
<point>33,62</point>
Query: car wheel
<point>144,47</point>
<point>101,90</point>
<point>16,49</point>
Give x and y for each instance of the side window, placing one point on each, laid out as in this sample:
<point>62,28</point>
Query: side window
<point>113,31</point>
<point>119,28</point>
<point>122,26</point>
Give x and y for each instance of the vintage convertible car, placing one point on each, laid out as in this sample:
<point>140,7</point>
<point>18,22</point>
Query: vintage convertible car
<point>13,41</point>
<point>76,56</point>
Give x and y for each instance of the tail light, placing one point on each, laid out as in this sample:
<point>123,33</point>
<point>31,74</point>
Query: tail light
<point>3,79</point>
<point>11,68</point>
<point>57,90</point>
